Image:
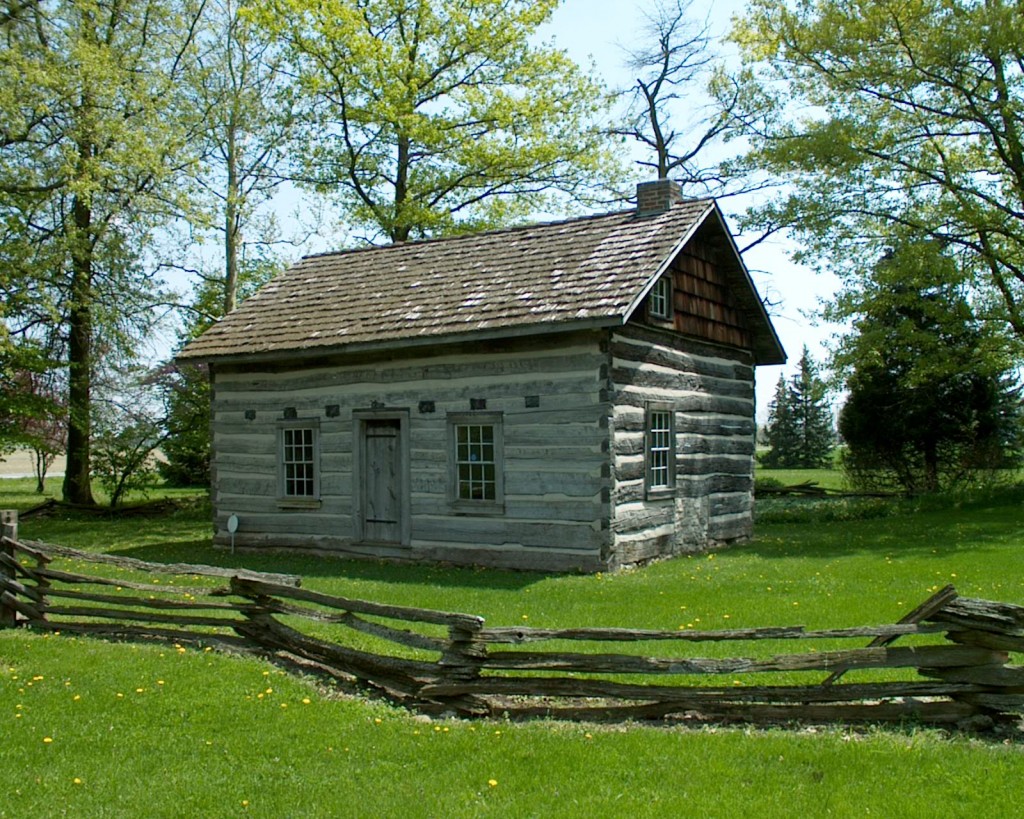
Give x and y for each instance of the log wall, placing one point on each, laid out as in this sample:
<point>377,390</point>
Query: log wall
<point>553,418</point>
<point>711,392</point>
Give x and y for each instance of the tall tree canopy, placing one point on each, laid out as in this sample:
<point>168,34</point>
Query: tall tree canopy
<point>894,120</point>
<point>429,116</point>
<point>933,395</point>
<point>91,141</point>
<point>239,79</point>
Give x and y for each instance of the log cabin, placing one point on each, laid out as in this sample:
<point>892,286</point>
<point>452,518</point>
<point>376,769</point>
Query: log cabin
<point>568,396</point>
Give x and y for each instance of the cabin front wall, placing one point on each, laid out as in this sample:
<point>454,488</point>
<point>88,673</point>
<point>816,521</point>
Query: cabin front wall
<point>709,392</point>
<point>553,414</point>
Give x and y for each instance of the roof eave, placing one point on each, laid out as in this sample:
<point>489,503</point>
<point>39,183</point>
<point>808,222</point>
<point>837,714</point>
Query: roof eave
<point>405,342</point>
<point>777,353</point>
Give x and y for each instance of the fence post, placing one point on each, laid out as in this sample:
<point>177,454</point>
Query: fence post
<point>9,523</point>
<point>8,530</point>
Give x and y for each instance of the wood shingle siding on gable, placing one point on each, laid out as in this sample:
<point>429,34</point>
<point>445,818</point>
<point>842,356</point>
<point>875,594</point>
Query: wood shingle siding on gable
<point>601,435</point>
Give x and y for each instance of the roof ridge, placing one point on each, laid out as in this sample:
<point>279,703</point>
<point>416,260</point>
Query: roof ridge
<point>495,231</point>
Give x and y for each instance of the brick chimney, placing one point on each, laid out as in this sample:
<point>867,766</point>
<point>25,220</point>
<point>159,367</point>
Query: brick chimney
<point>655,197</point>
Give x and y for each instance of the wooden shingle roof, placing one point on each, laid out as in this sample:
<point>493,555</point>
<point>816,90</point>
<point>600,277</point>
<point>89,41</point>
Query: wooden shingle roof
<point>590,271</point>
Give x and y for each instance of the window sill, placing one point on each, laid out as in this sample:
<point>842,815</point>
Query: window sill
<point>661,493</point>
<point>298,503</point>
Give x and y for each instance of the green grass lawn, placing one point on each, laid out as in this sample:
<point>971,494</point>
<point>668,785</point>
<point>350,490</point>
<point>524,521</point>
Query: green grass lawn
<point>151,730</point>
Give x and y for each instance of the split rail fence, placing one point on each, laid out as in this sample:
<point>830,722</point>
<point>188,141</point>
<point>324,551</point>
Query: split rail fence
<point>955,670</point>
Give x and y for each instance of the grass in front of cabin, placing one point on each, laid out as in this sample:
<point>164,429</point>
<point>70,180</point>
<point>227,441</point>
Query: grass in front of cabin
<point>199,733</point>
<point>107,730</point>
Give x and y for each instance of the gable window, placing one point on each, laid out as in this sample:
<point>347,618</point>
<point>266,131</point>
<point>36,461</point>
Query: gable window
<point>477,481</point>
<point>298,452</point>
<point>659,302</point>
<point>660,450</point>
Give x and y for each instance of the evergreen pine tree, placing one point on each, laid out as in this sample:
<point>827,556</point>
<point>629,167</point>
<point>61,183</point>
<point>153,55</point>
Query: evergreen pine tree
<point>800,431</point>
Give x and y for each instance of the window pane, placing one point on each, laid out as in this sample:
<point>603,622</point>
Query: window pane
<point>660,449</point>
<point>299,468</point>
<point>475,462</point>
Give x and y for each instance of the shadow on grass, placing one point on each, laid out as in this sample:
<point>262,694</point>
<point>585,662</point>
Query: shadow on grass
<point>335,568</point>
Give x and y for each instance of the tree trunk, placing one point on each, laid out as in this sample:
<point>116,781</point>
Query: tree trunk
<point>77,485</point>
<point>400,228</point>
<point>931,466</point>
<point>231,225</point>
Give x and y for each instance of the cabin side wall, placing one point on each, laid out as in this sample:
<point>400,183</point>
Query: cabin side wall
<point>710,392</point>
<point>555,449</point>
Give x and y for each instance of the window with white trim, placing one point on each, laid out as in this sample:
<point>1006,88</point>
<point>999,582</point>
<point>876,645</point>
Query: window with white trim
<point>299,474</point>
<point>659,302</point>
<point>477,467</point>
<point>660,449</point>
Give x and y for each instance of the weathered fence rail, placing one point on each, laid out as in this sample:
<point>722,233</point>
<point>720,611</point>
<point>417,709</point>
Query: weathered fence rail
<point>957,668</point>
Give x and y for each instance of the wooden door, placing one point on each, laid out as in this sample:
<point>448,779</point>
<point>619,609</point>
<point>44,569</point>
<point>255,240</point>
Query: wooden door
<point>382,480</point>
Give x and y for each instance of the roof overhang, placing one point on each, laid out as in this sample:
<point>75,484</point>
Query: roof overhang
<point>315,352</point>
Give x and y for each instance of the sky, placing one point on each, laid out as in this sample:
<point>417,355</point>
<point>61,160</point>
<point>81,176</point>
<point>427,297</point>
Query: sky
<point>598,30</point>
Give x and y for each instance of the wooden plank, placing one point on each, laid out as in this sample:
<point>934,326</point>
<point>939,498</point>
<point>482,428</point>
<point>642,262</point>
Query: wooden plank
<point>125,632</point>
<point>1000,702</point>
<point>43,575</point>
<point>20,589</point>
<point>987,639</point>
<point>941,598</point>
<point>162,568</point>
<point>140,617</point>
<point>576,687</point>
<point>148,602</point>
<point>994,676</point>
<point>402,674</point>
<point>248,587</point>
<point>10,603</point>
<point>518,635</point>
<point>983,615</point>
<point>881,657</point>
<point>8,613</point>
<point>401,636</point>
<point>928,712</point>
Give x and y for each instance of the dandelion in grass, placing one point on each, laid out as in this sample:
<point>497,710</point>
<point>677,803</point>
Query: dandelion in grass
<point>47,740</point>
<point>77,781</point>
<point>306,700</point>
<point>492,783</point>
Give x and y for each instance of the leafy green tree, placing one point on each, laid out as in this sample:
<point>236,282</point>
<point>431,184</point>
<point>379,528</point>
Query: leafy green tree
<point>800,427</point>
<point>239,79</point>
<point>185,388</point>
<point>893,120</point>
<point>933,398</point>
<point>93,137</point>
<point>430,116</point>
